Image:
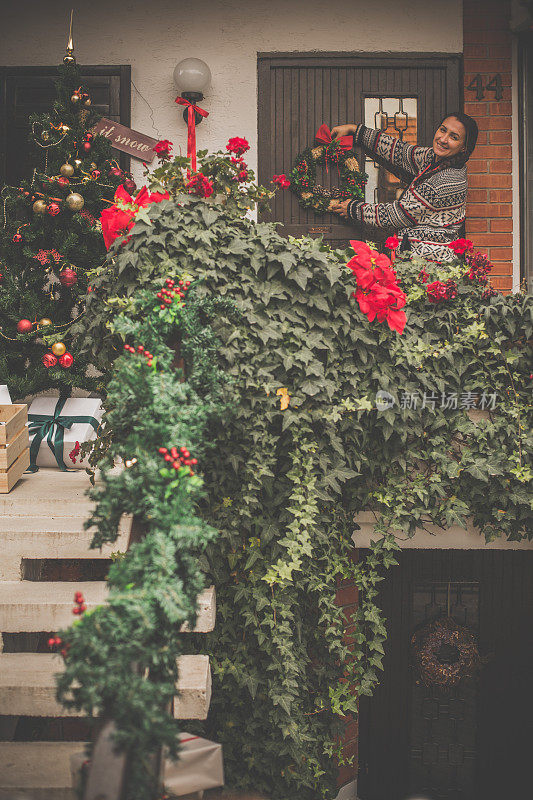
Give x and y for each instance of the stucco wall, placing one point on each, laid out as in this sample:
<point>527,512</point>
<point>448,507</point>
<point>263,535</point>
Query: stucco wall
<point>227,34</point>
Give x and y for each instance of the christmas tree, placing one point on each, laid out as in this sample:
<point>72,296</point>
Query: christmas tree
<point>50,240</point>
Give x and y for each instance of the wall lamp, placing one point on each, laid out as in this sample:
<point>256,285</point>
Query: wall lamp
<point>192,76</point>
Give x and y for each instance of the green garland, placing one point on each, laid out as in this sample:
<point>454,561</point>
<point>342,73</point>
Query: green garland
<point>303,177</point>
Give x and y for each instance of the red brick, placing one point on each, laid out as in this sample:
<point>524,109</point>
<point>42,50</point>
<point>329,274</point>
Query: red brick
<point>494,123</point>
<point>490,180</point>
<point>502,283</point>
<point>347,596</point>
<point>350,730</point>
<point>477,196</point>
<point>475,51</point>
<point>501,108</point>
<point>483,138</point>
<point>493,239</point>
<point>477,225</point>
<point>477,35</point>
<point>489,210</point>
<point>476,109</point>
<point>501,225</point>
<point>346,774</point>
<point>501,253</point>
<point>500,268</point>
<point>489,65</point>
<point>501,196</point>
<point>477,165</point>
<point>501,165</point>
<point>492,151</point>
<point>502,50</point>
<point>500,137</point>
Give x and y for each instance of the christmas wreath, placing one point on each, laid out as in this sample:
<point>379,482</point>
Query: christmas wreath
<point>337,151</point>
<point>444,653</point>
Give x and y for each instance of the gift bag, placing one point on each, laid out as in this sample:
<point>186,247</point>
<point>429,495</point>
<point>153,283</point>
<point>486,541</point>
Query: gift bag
<point>56,425</point>
<point>199,767</point>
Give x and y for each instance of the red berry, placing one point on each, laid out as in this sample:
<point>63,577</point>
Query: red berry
<point>149,362</point>
<point>180,283</point>
<point>140,348</point>
<point>162,450</point>
<point>186,453</point>
<point>78,597</point>
<point>76,610</point>
<point>83,608</point>
<point>176,465</point>
<point>168,457</point>
<point>161,306</point>
<point>187,284</point>
<point>57,640</point>
<point>51,642</point>
<point>194,461</point>
<point>174,452</point>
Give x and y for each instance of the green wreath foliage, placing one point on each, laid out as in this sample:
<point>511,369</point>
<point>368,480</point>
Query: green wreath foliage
<point>317,198</point>
<point>282,485</point>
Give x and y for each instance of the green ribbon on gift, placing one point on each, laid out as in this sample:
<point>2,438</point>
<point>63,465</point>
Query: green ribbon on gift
<point>52,428</point>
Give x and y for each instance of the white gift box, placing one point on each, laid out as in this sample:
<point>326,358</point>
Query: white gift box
<point>199,767</point>
<point>79,432</point>
<point>5,397</point>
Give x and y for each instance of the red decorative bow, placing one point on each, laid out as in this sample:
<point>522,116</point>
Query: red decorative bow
<point>323,134</point>
<point>191,126</point>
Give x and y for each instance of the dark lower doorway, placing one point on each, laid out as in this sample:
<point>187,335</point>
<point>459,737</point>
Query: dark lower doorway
<point>472,742</point>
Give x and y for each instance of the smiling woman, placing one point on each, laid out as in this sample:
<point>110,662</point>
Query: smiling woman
<point>430,212</point>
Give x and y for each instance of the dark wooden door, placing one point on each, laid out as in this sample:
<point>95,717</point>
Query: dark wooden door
<point>31,90</point>
<point>472,742</point>
<point>298,92</point>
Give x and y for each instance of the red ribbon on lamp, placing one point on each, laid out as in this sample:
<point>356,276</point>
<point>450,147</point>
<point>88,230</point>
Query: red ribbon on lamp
<point>191,127</point>
<point>344,143</point>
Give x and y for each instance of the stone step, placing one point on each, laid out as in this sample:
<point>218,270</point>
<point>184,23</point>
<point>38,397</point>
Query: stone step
<point>32,606</point>
<point>37,765</point>
<point>51,492</point>
<point>27,686</point>
<point>51,537</point>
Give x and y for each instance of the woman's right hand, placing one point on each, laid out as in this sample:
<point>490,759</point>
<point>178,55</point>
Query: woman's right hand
<point>343,130</point>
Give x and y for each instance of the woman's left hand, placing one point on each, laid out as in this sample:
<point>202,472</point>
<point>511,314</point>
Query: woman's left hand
<point>340,208</point>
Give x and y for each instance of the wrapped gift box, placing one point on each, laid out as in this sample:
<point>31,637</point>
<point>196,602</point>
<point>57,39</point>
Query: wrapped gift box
<point>56,426</point>
<point>199,767</point>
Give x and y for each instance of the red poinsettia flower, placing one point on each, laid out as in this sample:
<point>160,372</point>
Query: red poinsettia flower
<point>163,149</point>
<point>437,292</point>
<point>237,145</point>
<point>460,246</point>
<point>200,186</point>
<point>282,181</point>
<point>377,293</point>
<point>120,217</point>
<point>392,242</point>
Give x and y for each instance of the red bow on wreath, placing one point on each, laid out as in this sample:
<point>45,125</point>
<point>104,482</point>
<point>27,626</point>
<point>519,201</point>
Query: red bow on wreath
<point>343,143</point>
<point>191,127</point>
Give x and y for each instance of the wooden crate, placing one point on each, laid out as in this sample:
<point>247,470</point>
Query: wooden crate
<point>9,477</point>
<point>12,419</point>
<point>14,445</point>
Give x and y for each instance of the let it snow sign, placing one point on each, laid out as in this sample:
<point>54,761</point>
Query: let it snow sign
<point>129,141</point>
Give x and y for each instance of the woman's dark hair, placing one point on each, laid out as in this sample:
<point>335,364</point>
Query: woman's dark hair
<point>471,129</point>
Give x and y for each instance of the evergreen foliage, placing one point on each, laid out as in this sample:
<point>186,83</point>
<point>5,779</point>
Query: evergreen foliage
<point>30,287</point>
<point>283,482</point>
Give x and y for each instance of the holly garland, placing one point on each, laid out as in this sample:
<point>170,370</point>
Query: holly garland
<point>335,152</point>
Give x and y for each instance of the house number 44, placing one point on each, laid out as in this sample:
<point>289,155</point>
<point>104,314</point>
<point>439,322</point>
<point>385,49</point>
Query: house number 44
<point>494,85</point>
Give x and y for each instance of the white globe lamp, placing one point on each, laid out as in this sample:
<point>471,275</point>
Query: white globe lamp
<point>192,77</point>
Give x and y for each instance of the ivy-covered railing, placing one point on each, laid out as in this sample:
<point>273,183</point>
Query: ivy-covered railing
<point>287,408</point>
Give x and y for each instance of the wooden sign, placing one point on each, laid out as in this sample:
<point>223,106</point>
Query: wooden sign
<point>129,141</point>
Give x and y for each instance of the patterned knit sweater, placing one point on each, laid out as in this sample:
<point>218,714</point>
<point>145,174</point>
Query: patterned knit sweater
<point>432,208</point>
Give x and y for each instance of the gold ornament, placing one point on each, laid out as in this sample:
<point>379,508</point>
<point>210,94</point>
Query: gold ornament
<point>93,165</point>
<point>39,207</point>
<point>77,163</point>
<point>67,170</point>
<point>75,98</point>
<point>64,128</point>
<point>87,102</point>
<point>58,349</point>
<point>45,136</point>
<point>74,201</point>
<point>44,322</point>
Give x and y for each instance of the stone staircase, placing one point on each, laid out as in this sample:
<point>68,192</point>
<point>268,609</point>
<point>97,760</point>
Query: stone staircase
<point>41,521</point>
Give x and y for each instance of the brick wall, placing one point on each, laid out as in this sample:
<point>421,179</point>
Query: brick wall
<point>487,52</point>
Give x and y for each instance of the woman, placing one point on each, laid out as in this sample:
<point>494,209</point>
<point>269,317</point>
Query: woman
<point>431,211</point>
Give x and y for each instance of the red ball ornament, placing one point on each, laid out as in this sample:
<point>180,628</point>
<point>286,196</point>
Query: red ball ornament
<point>95,174</point>
<point>17,238</point>
<point>24,326</point>
<point>66,360</point>
<point>49,360</point>
<point>68,277</point>
<point>86,147</point>
<point>115,172</point>
<point>53,209</point>
<point>129,185</point>
<point>62,181</point>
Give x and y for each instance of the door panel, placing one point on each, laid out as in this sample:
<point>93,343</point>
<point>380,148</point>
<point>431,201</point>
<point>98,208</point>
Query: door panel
<point>298,92</point>
<point>472,742</point>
